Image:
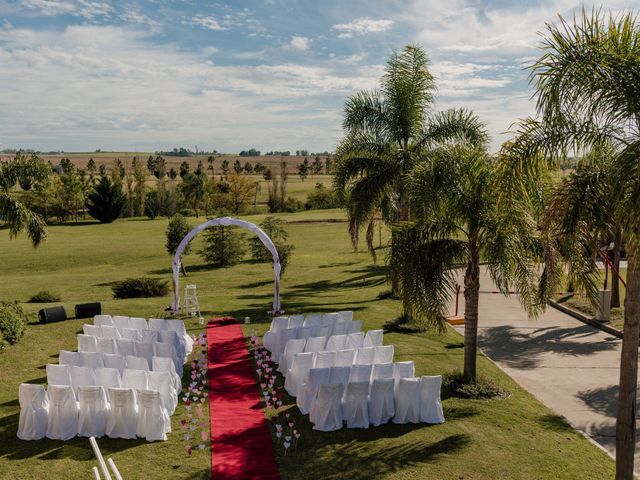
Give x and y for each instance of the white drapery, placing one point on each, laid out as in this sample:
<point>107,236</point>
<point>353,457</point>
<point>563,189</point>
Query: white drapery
<point>227,221</point>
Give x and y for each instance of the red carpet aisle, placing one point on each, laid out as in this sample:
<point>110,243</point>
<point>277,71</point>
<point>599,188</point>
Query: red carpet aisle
<point>240,439</point>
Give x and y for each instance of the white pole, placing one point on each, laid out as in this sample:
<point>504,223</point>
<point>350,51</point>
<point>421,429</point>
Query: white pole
<point>96,450</point>
<point>96,473</point>
<point>114,469</point>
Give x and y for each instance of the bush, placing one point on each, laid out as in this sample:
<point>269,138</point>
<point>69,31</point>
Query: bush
<point>187,212</point>
<point>140,288</point>
<point>223,246</point>
<point>454,384</point>
<point>293,205</point>
<point>176,230</point>
<point>44,297</point>
<point>321,198</point>
<point>274,228</point>
<point>13,323</point>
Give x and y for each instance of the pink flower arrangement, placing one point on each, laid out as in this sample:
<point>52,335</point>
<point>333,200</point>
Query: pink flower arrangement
<point>194,398</point>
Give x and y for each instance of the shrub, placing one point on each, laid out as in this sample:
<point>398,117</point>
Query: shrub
<point>44,297</point>
<point>140,288</point>
<point>152,205</point>
<point>454,384</point>
<point>176,230</point>
<point>106,202</point>
<point>293,205</point>
<point>13,323</point>
<point>321,198</point>
<point>223,246</point>
<point>187,212</point>
<point>274,228</point>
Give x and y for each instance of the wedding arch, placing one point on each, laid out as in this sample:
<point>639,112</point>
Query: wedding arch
<point>227,221</point>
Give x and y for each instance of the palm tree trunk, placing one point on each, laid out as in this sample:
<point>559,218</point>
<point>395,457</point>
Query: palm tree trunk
<point>471,298</point>
<point>615,281</point>
<point>626,421</point>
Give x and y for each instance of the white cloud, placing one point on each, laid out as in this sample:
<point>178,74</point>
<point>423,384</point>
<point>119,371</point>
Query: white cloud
<point>131,15</point>
<point>208,22</point>
<point>361,26</point>
<point>298,43</point>
<point>50,8</point>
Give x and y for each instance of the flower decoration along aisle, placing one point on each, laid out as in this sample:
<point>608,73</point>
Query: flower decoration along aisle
<point>194,424</point>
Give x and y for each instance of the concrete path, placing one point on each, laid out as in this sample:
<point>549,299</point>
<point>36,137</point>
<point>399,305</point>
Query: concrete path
<point>571,367</point>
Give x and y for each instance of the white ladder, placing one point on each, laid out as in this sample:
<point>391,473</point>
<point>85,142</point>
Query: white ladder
<point>191,305</point>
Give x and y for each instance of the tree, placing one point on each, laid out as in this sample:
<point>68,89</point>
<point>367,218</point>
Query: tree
<point>585,85</point>
<point>157,166</point>
<point>91,167</point>
<point>237,167</point>
<point>248,168</point>
<point>258,168</point>
<point>194,189</point>
<point>267,174</point>
<point>316,167</point>
<point>72,191</point>
<point>140,188</point>
<point>184,169</point>
<point>328,166</point>
<point>106,202</point>
<point>223,246</point>
<point>241,189</point>
<point>118,170</point>
<point>225,167</point>
<point>173,174</point>
<point>303,169</point>
<point>210,160</point>
<point>200,168</point>
<point>152,205</point>
<point>176,230</point>
<point>274,228</point>
<point>277,190</point>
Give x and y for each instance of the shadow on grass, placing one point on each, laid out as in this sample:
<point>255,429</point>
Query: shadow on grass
<point>555,423</point>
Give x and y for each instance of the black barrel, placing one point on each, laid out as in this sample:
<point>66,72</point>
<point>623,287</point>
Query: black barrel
<point>52,314</point>
<point>88,310</point>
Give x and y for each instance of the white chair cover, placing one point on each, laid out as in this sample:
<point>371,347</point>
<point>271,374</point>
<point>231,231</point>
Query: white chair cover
<point>312,320</point>
<point>300,366</point>
<point>278,323</point>
<point>110,331</point>
<point>167,350</point>
<point>270,337</point>
<point>66,357</point>
<point>91,359</point>
<point>93,408</point>
<point>308,391</point>
<point>326,411</point>
<point>373,338</point>
<point>407,401</point>
<point>108,378</point>
<point>292,347</point>
<point>355,408</point>
<point>383,354</point>
<point>163,383</point>
<point>430,404</point>
<point>365,356</point>
<point>138,323</point>
<point>145,350</point>
<point>178,327</point>
<point>114,361</point>
<point>102,320</point>
<point>161,364</point>
<point>34,411</point>
<point>136,379</point>
<point>149,335</point>
<point>345,316</point>
<point>169,336</point>
<point>107,345</point>
<point>329,319</point>
<point>304,332</point>
<point>131,334</point>
<point>158,324</point>
<point>381,401</point>
<point>121,322</point>
<point>126,346</point>
<point>282,337</point>
<point>340,328</point>
<point>87,343</point>
<point>355,327</point>
<point>153,419</point>
<point>94,330</point>
<point>403,370</point>
<point>295,321</point>
<point>345,357</point>
<point>137,363</point>
<point>58,374</point>
<point>321,331</point>
<point>355,340</point>
<point>81,377</point>
<point>336,342</point>
<point>382,371</point>
<point>122,419</point>
<point>340,375</point>
<point>315,344</point>
<point>360,373</point>
<point>62,422</point>
<point>325,359</point>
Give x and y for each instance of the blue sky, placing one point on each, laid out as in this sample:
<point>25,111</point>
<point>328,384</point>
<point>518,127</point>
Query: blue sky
<point>79,75</point>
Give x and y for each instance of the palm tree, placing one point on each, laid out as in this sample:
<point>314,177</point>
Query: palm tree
<point>13,212</point>
<point>458,220</point>
<point>586,85</point>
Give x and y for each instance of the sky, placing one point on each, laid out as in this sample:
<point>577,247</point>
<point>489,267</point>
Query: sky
<point>149,75</point>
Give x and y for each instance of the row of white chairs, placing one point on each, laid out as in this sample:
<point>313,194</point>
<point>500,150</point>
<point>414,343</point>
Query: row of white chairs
<point>163,379</point>
<point>310,320</point>
<point>301,363</point>
<point>116,412</point>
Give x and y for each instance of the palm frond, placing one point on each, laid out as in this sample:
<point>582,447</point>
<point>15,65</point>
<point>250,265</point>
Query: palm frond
<point>456,125</point>
<point>19,218</point>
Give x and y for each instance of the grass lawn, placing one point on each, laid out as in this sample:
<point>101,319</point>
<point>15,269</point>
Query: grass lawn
<point>516,438</point>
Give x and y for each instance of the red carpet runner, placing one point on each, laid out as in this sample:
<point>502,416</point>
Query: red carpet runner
<point>240,439</point>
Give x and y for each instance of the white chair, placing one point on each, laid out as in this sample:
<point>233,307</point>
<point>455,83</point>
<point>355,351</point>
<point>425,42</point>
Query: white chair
<point>407,400</point>
<point>355,407</point>
<point>136,363</point>
<point>430,404</point>
<point>329,319</point>
<point>160,364</point>
<point>269,340</point>
<point>340,375</point>
<point>34,411</point>
<point>355,340</point>
<point>108,378</point>
<point>178,327</point>
<point>148,335</point>
<point>107,345</point>
<point>126,346</point>
<point>373,338</point>
<point>383,354</point>
<point>340,328</point>
<point>145,350</point>
<point>161,349</point>
<point>138,323</point>
<point>136,379</point>
<point>158,324</point>
<point>325,359</point>
<point>93,411</point>
<point>321,331</point>
<point>58,374</point>
<point>295,321</point>
<point>315,344</point>
<point>308,391</point>
<point>292,347</point>
<point>131,334</point>
<point>122,420</point>
<point>345,316</point>
<point>153,419</point>
<point>100,320</point>
<point>91,359</point>
<point>121,322</point>
<point>345,357</point>
<point>114,361</point>
<point>300,366</point>
<point>381,401</point>
<point>282,337</point>
<point>326,411</point>
<point>382,371</point>
<point>94,330</point>
<point>360,373</point>
<point>62,421</point>
<point>355,327</point>
<point>66,357</point>
<point>304,333</point>
<point>110,331</point>
<point>81,377</point>
<point>403,370</point>
<point>336,342</point>
<point>312,320</point>
<point>169,336</point>
<point>278,323</point>
<point>365,356</point>
<point>163,383</point>
<point>87,343</point>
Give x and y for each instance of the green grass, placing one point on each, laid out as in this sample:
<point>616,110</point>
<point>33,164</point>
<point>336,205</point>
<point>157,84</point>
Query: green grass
<point>515,438</point>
